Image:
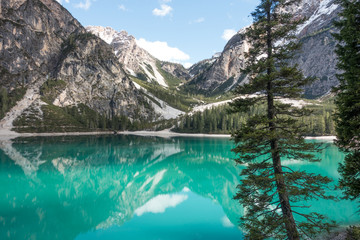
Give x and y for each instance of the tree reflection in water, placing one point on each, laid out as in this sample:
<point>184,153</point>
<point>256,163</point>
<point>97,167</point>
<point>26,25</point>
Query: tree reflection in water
<point>57,188</point>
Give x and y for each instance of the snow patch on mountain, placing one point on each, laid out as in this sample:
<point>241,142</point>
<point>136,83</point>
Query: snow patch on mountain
<point>132,73</point>
<point>156,75</point>
<point>105,33</point>
<point>202,108</point>
<point>293,102</point>
<point>134,58</point>
<point>166,111</point>
<point>326,7</point>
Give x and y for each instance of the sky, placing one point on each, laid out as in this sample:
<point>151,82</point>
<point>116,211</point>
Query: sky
<point>182,31</point>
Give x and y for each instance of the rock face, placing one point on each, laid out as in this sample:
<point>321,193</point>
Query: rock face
<point>129,53</point>
<point>40,40</point>
<point>32,32</point>
<point>202,65</point>
<point>94,76</point>
<point>175,69</point>
<point>221,73</point>
<point>137,61</point>
<point>317,57</point>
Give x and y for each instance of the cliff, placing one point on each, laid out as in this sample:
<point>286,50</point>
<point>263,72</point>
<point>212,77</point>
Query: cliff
<point>41,44</point>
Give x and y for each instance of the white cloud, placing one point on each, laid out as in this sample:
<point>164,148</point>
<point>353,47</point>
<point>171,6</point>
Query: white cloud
<point>122,7</point>
<point>187,65</point>
<point>160,203</point>
<point>228,34</point>
<point>162,51</point>
<point>226,222</point>
<point>200,20</point>
<point>186,189</point>
<point>165,10</point>
<point>60,1</point>
<point>84,5</point>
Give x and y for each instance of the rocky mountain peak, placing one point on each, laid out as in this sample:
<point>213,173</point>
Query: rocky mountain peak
<point>109,34</point>
<point>317,57</point>
<point>42,45</point>
<point>136,60</point>
<point>304,8</point>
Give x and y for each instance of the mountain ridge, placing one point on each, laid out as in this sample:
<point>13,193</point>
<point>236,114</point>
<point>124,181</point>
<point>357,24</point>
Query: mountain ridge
<point>54,68</point>
<point>135,59</point>
<point>41,43</point>
<point>224,74</point>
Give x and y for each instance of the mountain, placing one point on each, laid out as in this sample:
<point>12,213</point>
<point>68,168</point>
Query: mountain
<point>197,68</point>
<point>222,73</point>
<point>316,58</point>
<point>52,70</point>
<point>159,80</point>
<point>137,61</point>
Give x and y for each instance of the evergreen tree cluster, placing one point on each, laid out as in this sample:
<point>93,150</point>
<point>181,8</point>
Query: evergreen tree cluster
<point>8,100</point>
<point>217,120</point>
<point>348,96</point>
<point>79,118</point>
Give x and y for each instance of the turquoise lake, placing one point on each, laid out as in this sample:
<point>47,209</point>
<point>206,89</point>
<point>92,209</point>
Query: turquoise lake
<point>131,187</point>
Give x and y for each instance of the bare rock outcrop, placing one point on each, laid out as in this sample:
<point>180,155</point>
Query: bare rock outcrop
<point>40,40</point>
<point>316,58</point>
<point>136,60</point>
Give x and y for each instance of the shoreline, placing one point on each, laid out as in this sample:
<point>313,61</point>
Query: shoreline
<point>328,138</point>
<point>6,134</point>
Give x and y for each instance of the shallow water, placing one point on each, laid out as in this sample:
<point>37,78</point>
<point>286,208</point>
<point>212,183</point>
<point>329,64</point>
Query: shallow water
<point>130,187</point>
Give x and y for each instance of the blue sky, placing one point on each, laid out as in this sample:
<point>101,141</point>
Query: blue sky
<point>184,31</point>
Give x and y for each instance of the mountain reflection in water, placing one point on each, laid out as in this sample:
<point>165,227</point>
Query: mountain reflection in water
<point>59,187</point>
<point>77,187</point>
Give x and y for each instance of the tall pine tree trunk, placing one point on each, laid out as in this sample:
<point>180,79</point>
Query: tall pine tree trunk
<point>289,220</point>
<point>265,182</point>
<point>290,225</point>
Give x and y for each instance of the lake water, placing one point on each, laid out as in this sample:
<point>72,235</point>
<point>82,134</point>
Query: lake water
<point>130,187</point>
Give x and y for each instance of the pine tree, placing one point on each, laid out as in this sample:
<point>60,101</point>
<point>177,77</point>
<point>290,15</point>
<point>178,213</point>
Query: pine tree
<point>270,191</point>
<point>347,99</point>
<point>3,102</point>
